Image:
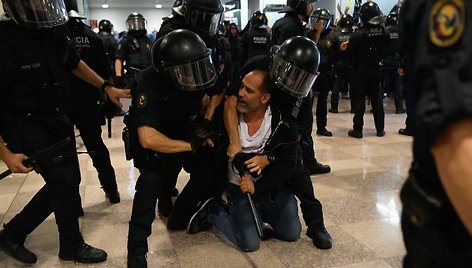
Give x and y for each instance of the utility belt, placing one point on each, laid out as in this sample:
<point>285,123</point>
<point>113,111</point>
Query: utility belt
<point>422,207</point>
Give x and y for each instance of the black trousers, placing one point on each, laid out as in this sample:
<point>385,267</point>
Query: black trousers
<point>392,82</point>
<point>367,82</point>
<point>147,188</point>
<point>323,85</point>
<point>302,187</point>
<point>88,122</point>
<point>306,141</point>
<point>342,76</point>
<point>27,134</point>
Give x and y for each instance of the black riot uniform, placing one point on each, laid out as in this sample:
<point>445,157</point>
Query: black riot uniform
<point>38,56</point>
<point>391,63</point>
<point>134,50</point>
<point>205,24</point>
<point>83,107</point>
<point>294,59</point>
<point>168,98</point>
<point>289,26</point>
<point>366,47</point>
<point>105,28</point>
<point>256,41</point>
<point>343,64</point>
<point>324,83</point>
<point>436,37</point>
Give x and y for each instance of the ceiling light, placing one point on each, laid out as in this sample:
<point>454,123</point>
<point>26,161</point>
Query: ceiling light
<point>158,6</point>
<point>105,4</point>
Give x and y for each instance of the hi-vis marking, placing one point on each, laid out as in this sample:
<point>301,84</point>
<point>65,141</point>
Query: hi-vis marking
<point>446,22</point>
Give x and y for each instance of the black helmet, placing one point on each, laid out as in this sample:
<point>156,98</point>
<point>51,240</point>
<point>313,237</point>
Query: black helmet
<point>370,13</point>
<point>201,15</point>
<point>36,14</point>
<point>259,20</point>
<point>135,22</point>
<point>296,6</point>
<point>294,66</point>
<point>345,23</point>
<point>185,60</point>
<point>320,14</point>
<point>392,19</point>
<point>105,26</point>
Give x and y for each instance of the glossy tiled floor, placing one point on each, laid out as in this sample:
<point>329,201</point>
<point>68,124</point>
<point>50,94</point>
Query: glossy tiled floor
<point>360,198</point>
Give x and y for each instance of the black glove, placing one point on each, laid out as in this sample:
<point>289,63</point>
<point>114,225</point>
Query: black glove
<point>238,163</point>
<point>119,82</point>
<point>199,131</point>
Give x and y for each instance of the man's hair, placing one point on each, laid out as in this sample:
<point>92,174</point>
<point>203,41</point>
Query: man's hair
<point>266,85</point>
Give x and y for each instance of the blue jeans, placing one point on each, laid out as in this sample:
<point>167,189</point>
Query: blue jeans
<point>238,226</point>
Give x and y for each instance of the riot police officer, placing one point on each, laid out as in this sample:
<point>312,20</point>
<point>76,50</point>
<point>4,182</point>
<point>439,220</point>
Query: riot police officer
<point>293,69</point>
<point>83,100</point>
<point>298,11</point>
<point>167,118</point>
<point>324,83</point>
<point>105,28</point>
<point>133,51</point>
<point>391,63</point>
<point>437,214</point>
<point>366,47</point>
<point>343,65</point>
<point>37,59</point>
<point>201,17</point>
<point>256,41</point>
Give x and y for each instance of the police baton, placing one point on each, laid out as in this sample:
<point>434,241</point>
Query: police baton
<point>240,169</point>
<point>41,154</point>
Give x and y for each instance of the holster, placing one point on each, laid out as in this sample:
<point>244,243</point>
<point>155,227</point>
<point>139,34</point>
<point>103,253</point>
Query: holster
<point>422,207</point>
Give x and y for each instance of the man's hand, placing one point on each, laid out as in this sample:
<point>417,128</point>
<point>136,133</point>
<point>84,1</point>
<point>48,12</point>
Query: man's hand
<point>257,163</point>
<point>344,45</point>
<point>401,71</point>
<point>14,163</point>
<point>114,94</point>
<point>246,185</point>
<point>233,149</point>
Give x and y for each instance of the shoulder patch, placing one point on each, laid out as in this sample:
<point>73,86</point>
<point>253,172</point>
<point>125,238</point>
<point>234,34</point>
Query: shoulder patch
<point>142,100</point>
<point>446,22</point>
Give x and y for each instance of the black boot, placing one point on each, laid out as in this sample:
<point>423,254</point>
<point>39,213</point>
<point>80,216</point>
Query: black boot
<point>137,262</point>
<point>321,238</point>
<point>16,250</point>
<point>85,254</point>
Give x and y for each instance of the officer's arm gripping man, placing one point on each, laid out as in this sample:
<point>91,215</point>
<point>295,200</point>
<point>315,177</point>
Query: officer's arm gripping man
<point>152,139</point>
<point>83,71</point>
<point>452,152</point>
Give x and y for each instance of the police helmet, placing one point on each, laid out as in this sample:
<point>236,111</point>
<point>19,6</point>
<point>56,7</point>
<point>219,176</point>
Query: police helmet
<point>202,16</point>
<point>370,13</point>
<point>105,26</point>
<point>320,14</point>
<point>392,19</point>
<point>136,22</point>
<point>185,60</point>
<point>259,20</point>
<point>345,23</point>
<point>36,14</point>
<point>294,66</point>
<point>72,10</point>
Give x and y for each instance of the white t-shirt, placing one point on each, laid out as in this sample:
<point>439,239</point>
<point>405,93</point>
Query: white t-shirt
<point>251,144</point>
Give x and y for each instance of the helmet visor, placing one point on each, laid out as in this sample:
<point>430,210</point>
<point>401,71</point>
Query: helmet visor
<point>290,78</point>
<point>193,76</point>
<point>136,24</point>
<point>205,21</point>
<point>314,19</point>
<point>38,13</point>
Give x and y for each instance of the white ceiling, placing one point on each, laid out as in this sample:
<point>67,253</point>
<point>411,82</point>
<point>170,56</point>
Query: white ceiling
<point>131,3</point>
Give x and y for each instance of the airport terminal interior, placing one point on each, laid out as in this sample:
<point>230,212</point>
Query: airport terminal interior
<point>360,195</point>
<point>360,198</point>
